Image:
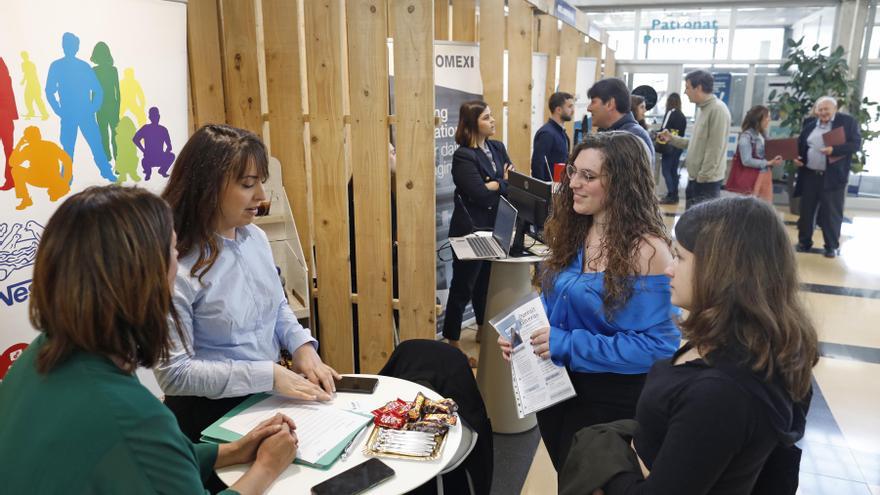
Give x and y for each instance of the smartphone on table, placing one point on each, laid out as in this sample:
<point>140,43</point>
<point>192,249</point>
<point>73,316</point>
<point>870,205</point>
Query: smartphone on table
<point>357,384</point>
<point>355,480</point>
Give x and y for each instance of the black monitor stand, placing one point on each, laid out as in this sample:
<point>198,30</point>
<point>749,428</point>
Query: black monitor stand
<point>518,248</point>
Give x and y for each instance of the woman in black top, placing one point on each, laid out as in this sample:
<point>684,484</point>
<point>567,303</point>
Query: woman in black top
<point>676,123</point>
<point>710,417</point>
<point>479,171</point>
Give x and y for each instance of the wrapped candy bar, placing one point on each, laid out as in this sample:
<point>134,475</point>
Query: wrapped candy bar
<point>427,427</point>
<point>445,406</point>
<point>390,420</point>
<point>415,412</point>
<point>447,419</point>
<point>397,407</point>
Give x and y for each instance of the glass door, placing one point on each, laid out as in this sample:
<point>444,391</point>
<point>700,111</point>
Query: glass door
<point>664,79</point>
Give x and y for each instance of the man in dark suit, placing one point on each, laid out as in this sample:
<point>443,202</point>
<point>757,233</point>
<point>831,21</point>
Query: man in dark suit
<point>551,142</point>
<point>823,173</point>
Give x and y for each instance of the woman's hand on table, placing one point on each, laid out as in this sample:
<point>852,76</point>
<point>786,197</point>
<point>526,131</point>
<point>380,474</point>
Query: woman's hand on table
<point>273,456</point>
<point>307,362</point>
<point>293,385</point>
<point>245,448</point>
<point>541,342</point>
<point>277,451</point>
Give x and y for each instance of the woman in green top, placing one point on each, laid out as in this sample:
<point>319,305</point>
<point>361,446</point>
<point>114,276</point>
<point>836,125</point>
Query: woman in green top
<point>73,416</point>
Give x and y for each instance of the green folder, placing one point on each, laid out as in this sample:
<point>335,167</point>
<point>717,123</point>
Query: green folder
<point>217,434</point>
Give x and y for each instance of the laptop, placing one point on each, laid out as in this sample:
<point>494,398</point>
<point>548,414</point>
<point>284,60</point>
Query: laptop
<point>486,245</point>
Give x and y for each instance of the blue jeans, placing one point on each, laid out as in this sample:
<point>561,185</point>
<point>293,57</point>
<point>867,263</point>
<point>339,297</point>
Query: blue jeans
<point>669,163</point>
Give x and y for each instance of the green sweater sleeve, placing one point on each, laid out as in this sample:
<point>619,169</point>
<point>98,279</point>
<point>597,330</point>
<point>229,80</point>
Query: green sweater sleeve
<point>169,461</point>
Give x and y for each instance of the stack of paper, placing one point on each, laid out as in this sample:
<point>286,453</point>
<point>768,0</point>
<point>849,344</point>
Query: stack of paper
<point>323,430</point>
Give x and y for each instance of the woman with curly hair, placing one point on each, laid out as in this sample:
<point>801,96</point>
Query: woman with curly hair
<point>603,287</point>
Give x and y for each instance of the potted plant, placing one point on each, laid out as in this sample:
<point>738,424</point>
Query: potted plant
<point>813,75</point>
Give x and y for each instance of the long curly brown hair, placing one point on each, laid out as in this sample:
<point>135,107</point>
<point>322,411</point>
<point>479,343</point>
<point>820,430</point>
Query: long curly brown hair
<point>632,214</point>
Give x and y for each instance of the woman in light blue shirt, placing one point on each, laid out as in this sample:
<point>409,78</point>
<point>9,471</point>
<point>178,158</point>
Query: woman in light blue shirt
<point>228,295</point>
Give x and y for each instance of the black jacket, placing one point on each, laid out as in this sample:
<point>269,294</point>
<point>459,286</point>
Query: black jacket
<point>471,170</point>
<point>837,173</point>
<point>629,124</point>
<point>445,370</point>
<point>551,146</point>
<point>676,122</point>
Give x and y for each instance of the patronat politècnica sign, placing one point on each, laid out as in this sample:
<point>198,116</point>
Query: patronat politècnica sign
<point>687,31</point>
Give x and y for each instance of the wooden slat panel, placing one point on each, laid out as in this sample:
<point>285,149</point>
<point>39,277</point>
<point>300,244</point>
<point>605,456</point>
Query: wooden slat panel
<point>569,45</point>
<point>368,88</point>
<point>205,70</point>
<point>492,60</point>
<point>282,25</point>
<point>241,78</point>
<point>464,20</point>
<point>610,63</point>
<point>414,103</point>
<point>323,19</point>
<point>441,19</point>
<point>519,106</point>
<point>548,42</point>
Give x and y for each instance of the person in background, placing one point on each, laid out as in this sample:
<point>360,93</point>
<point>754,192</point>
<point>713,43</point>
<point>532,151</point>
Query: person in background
<point>751,150</point>
<point>479,171</point>
<point>611,111</point>
<point>711,417</point>
<point>233,314</point>
<point>675,122</point>
<point>821,182</point>
<point>637,103</point>
<point>72,403</point>
<point>603,287</point>
<point>551,144</point>
<point>706,159</point>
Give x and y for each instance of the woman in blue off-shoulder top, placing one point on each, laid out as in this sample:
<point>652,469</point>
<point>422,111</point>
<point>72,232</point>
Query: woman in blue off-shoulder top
<point>603,287</point>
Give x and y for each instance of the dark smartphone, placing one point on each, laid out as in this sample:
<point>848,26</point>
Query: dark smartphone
<point>357,384</point>
<point>356,479</point>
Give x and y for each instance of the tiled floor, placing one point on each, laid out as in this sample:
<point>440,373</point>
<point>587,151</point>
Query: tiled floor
<point>842,442</point>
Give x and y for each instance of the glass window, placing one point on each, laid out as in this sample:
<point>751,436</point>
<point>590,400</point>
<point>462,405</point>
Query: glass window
<point>758,43</point>
<point>872,148</point>
<point>684,35</point>
<point>623,41</point>
<point>659,81</point>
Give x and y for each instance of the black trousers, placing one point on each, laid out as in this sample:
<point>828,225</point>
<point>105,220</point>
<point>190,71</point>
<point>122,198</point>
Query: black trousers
<point>824,205</point>
<point>470,283</point>
<point>698,192</point>
<point>601,398</point>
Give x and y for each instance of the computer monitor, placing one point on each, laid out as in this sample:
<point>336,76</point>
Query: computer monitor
<point>532,199</point>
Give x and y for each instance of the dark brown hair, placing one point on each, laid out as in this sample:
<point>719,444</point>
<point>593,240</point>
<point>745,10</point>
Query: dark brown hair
<point>745,291</point>
<point>673,101</point>
<point>701,78</point>
<point>633,214</point>
<point>215,155</point>
<point>468,122</point>
<point>100,282</point>
<point>753,119</point>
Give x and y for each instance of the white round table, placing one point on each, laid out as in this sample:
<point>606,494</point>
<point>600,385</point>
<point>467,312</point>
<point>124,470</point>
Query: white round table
<point>407,474</point>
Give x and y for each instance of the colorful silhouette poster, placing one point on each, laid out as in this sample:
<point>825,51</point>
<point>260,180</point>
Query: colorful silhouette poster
<point>86,98</point>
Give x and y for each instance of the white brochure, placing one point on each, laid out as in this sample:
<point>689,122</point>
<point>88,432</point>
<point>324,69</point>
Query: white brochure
<point>537,383</point>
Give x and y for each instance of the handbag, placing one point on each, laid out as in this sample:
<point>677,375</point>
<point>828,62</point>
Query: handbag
<point>741,179</point>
